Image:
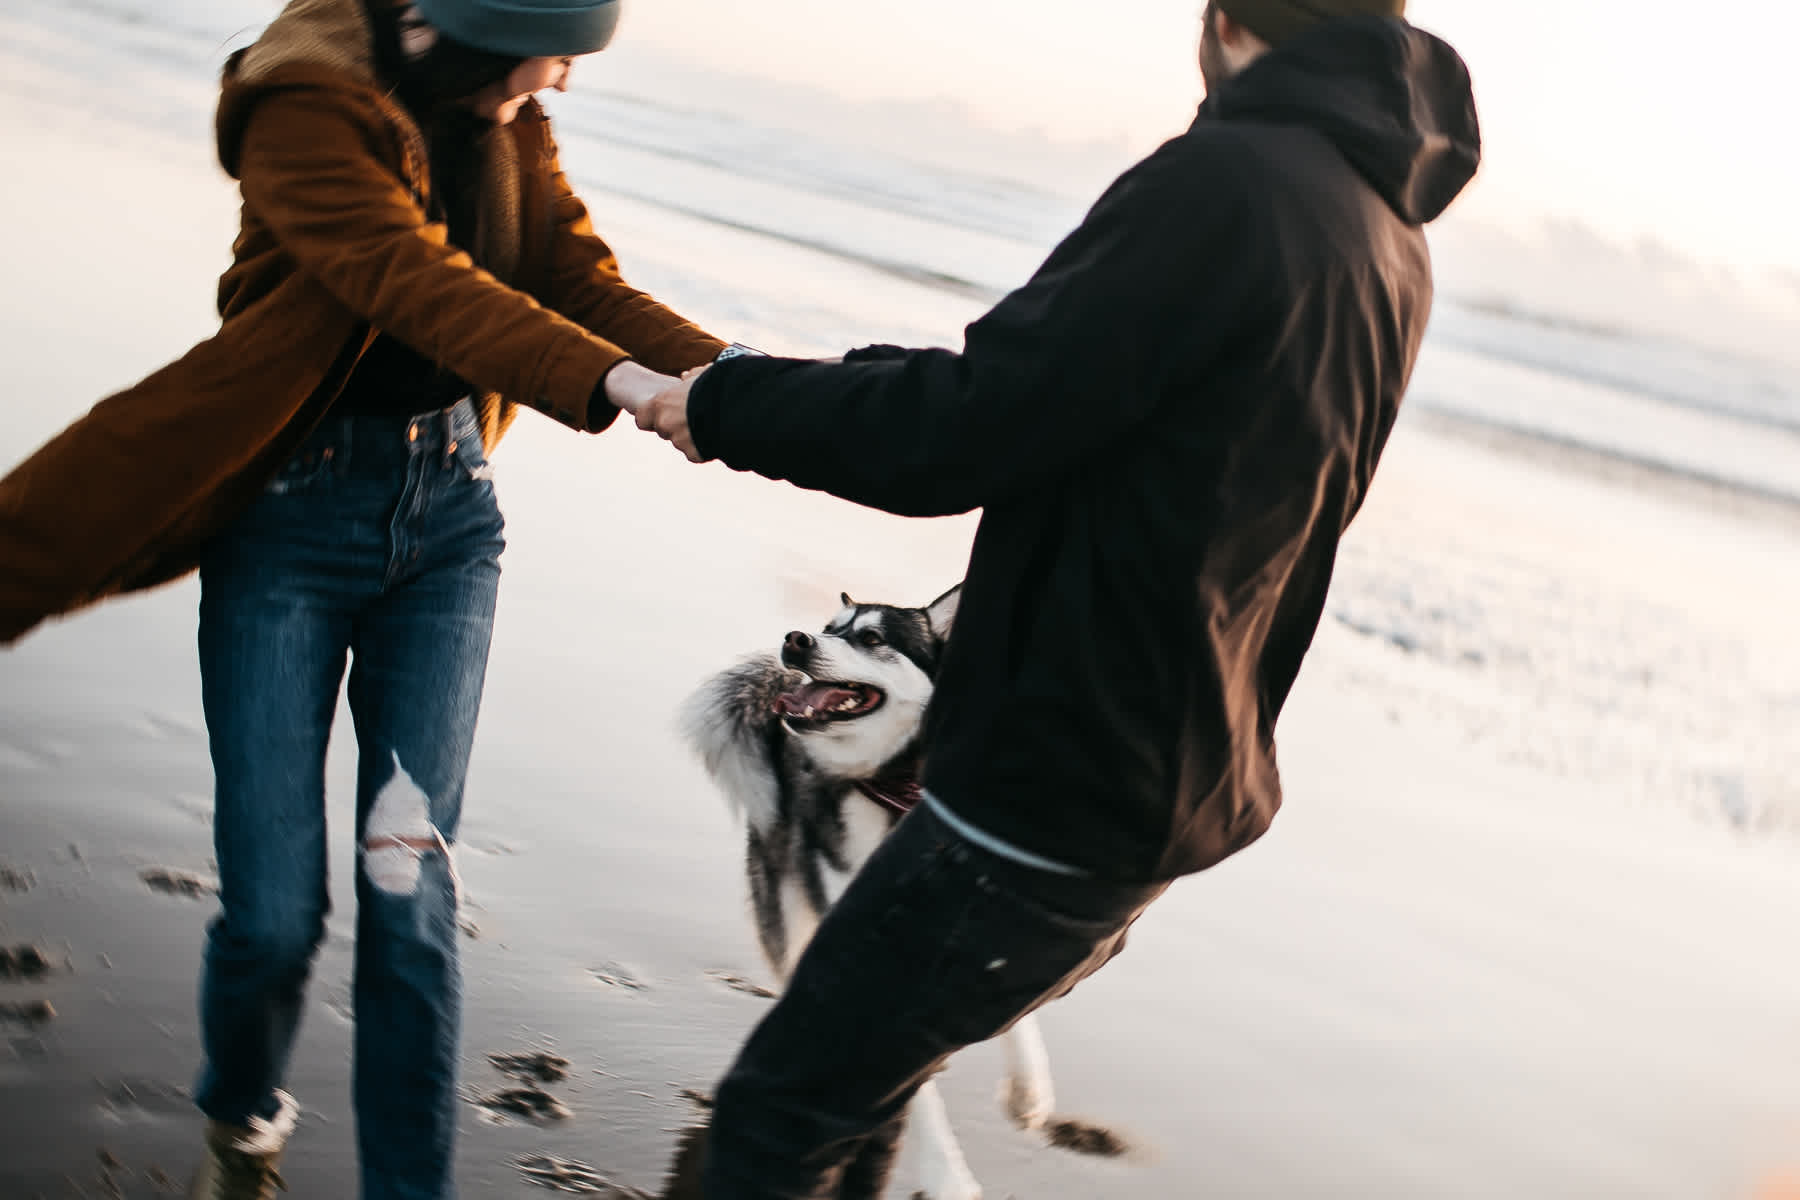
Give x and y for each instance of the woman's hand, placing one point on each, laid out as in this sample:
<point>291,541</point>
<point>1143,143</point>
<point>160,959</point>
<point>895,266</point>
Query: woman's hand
<point>666,414</point>
<point>632,385</point>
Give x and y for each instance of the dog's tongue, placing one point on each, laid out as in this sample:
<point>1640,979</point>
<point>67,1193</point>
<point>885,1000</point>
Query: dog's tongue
<point>818,697</point>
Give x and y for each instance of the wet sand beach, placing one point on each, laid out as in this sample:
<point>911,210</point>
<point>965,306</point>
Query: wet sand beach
<point>1440,975</point>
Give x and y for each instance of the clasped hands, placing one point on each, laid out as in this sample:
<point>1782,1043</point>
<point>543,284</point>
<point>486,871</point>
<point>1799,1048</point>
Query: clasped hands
<point>658,402</point>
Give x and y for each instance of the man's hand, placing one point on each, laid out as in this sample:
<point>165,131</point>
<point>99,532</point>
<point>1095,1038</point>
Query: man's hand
<point>666,415</point>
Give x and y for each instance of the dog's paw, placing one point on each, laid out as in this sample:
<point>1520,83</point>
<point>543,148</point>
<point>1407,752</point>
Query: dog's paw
<point>1028,1102</point>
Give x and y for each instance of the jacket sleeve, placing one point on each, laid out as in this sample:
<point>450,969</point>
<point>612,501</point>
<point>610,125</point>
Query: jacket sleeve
<point>310,168</point>
<point>1147,288</point>
<point>587,287</point>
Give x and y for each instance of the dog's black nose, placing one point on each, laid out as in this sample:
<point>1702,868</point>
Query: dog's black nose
<point>798,642</point>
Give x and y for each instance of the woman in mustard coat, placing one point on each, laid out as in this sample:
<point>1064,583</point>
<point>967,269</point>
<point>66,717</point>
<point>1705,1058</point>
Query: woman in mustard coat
<point>412,268</point>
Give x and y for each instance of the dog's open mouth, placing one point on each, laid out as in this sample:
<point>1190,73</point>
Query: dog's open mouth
<point>822,703</point>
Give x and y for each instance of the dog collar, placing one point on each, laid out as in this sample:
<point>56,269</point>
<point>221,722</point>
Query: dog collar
<point>897,795</point>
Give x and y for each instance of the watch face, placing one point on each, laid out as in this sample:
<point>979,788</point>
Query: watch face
<point>738,350</point>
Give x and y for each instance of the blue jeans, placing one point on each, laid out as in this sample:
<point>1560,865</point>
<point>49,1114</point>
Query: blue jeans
<point>937,944</point>
<point>378,543</point>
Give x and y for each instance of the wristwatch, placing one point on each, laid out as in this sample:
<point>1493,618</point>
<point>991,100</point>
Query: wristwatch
<point>738,350</point>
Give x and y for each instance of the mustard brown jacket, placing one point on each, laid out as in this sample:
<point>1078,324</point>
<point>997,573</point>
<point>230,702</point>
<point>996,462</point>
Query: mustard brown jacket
<point>335,248</point>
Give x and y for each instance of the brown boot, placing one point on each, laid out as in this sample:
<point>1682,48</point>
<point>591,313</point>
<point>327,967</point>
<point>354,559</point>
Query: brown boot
<point>242,1160</point>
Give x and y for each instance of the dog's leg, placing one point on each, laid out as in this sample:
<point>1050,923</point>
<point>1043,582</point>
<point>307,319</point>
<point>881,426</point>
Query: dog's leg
<point>1026,1091</point>
<point>943,1174</point>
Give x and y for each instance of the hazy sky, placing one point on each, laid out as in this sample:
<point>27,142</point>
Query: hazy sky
<point>1640,119</point>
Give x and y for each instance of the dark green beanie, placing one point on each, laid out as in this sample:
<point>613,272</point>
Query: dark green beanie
<point>526,28</point>
<point>1275,21</point>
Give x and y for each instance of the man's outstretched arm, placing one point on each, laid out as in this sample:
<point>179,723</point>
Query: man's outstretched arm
<point>1149,285</point>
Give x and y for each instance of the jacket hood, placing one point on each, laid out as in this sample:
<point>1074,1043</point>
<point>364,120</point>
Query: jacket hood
<point>1395,101</point>
<point>311,42</point>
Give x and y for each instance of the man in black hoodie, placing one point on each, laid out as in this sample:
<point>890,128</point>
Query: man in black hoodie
<point>1169,429</point>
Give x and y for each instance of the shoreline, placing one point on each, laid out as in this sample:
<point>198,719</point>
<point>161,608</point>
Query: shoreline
<point>1641,475</point>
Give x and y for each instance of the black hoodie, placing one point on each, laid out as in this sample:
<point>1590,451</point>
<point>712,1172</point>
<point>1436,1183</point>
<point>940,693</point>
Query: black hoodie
<point>1169,428</point>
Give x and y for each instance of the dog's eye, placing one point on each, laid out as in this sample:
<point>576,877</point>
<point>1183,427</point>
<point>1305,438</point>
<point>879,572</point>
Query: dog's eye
<point>869,637</point>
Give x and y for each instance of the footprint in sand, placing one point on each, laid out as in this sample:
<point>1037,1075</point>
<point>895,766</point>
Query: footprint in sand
<point>177,883</point>
<point>532,1066</point>
<point>528,1101</point>
<point>28,1012</point>
<point>25,962</point>
<point>575,1178</point>
<point>738,983</point>
<point>620,976</point>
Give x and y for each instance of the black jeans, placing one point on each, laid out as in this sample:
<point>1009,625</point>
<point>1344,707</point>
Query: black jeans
<point>936,945</point>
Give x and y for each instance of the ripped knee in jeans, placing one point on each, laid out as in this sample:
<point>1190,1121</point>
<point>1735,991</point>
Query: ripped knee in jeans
<point>399,834</point>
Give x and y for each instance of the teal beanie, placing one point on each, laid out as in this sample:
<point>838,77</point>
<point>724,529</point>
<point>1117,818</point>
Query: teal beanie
<point>526,28</point>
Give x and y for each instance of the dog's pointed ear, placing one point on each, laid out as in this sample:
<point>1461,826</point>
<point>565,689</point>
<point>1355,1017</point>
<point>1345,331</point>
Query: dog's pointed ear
<point>845,597</point>
<point>941,613</point>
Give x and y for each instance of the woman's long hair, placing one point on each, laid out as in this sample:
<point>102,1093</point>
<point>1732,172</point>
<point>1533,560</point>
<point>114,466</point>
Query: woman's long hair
<point>445,72</point>
<point>430,84</point>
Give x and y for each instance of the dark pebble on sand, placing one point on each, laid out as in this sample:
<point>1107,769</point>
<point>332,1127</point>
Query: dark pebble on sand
<point>1086,1139</point>
<point>176,883</point>
<point>16,881</point>
<point>537,1066</point>
<point>23,962</point>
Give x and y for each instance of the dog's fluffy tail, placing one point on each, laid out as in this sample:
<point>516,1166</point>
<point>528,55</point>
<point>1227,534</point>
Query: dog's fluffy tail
<point>730,723</point>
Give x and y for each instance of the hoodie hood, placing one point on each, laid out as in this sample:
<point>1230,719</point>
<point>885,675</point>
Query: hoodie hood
<point>1395,101</point>
<point>311,43</point>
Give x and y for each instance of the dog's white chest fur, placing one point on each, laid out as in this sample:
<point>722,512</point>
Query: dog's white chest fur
<point>865,824</point>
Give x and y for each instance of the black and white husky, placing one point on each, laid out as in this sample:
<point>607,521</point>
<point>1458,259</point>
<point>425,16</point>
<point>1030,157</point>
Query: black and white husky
<point>817,745</point>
